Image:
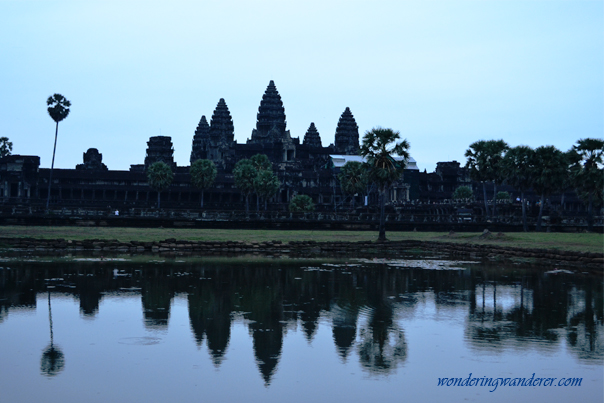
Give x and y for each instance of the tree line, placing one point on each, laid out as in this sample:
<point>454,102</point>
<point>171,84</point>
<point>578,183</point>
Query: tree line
<point>545,170</point>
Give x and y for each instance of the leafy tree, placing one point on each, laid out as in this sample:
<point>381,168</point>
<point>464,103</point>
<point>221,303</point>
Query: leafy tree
<point>266,185</point>
<point>463,193</point>
<point>353,179</point>
<point>203,174</point>
<point>379,147</point>
<point>503,196</point>
<point>587,173</point>
<point>484,159</point>
<point>550,169</point>
<point>6,147</point>
<point>244,174</point>
<point>58,109</point>
<point>301,204</point>
<point>518,171</point>
<point>160,178</point>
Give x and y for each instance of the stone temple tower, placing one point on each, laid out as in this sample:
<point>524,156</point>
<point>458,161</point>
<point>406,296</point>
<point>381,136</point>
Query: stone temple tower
<point>270,127</point>
<point>270,123</point>
<point>221,134</point>
<point>201,141</point>
<point>312,137</point>
<point>347,135</point>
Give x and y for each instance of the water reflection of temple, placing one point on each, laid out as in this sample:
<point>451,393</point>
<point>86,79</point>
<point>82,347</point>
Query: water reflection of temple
<point>505,309</point>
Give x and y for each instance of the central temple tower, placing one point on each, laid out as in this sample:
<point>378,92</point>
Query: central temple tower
<point>270,127</point>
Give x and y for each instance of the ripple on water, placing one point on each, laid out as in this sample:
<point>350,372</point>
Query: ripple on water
<point>140,341</point>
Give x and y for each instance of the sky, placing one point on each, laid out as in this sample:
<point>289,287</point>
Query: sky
<point>443,73</point>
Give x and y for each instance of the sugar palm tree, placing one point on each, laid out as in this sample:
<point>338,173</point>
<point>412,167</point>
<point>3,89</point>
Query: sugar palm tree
<point>58,109</point>
<point>53,359</point>
<point>244,174</point>
<point>550,169</point>
<point>379,148</point>
<point>160,178</point>
<point>517,171</point>
<point>353,179</point>
<point>483,160</point>
<point>587,173</point>
<point>203,174</point>
<point>261,163</point>
<point>266,185</point>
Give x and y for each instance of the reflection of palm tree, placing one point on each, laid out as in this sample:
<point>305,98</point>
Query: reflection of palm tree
<point>53,360</point>
<point>383,346</point>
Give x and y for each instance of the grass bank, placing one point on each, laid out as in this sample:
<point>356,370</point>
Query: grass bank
<point>560,241</point>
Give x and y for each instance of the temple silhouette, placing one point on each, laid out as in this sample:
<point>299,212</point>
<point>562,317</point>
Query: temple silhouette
<point>303,167</point>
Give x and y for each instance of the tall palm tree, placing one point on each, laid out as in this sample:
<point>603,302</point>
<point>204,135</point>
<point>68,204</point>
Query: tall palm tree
<point>484,158</point>
<point>550,169</point>
<point>261,163</point>
<point>244,174</point>
<point>53,359</point>
<point>587,173</point>
<point>203,174</point>
<point>58,109</point>
<point>517,171</point>
<point>266,185</point>
<point>160,178</point>
<point>353,179</point>
<point>379,147</point>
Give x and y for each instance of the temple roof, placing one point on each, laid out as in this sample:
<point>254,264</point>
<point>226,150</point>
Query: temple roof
<point>271,115</point>
<point>312,137</point>
<point>221,126</point>
<point>347,134</point>
<point>202,135</point>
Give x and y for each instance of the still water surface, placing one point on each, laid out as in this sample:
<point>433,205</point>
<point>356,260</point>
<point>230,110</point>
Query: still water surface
<point>295,331</point>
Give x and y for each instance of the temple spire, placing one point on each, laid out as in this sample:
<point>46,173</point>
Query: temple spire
<point>312,137</point>
<point>347,134</point>
<point>221,126</point>
<point>270,123</point>
<point>200,140</point>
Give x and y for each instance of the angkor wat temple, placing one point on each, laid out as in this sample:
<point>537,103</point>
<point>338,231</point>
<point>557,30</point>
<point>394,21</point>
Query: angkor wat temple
<point>303,167</point>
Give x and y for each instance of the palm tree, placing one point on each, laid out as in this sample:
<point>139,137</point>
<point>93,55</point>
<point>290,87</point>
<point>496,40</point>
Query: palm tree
<point>550,169</point>
<point>244,174</point>
<point>484,158</point>
<point>588,174</point>
<point>160,178</point>
<point>517,171</point>
<point>266,185</point>
<point>379,147</point>
<point>353,179</point>
<point>53,359</point>
<point>58,109</point>
<point>203,174</point>
<point>261,163</point>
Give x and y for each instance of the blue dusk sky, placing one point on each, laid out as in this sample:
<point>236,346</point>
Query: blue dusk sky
<point>443,73</point>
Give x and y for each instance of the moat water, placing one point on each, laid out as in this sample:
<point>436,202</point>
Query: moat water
<point>275,330</point>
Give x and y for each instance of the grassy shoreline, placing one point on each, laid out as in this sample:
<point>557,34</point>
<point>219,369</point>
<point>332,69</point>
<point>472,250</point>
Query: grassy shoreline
<point>584,242</point>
